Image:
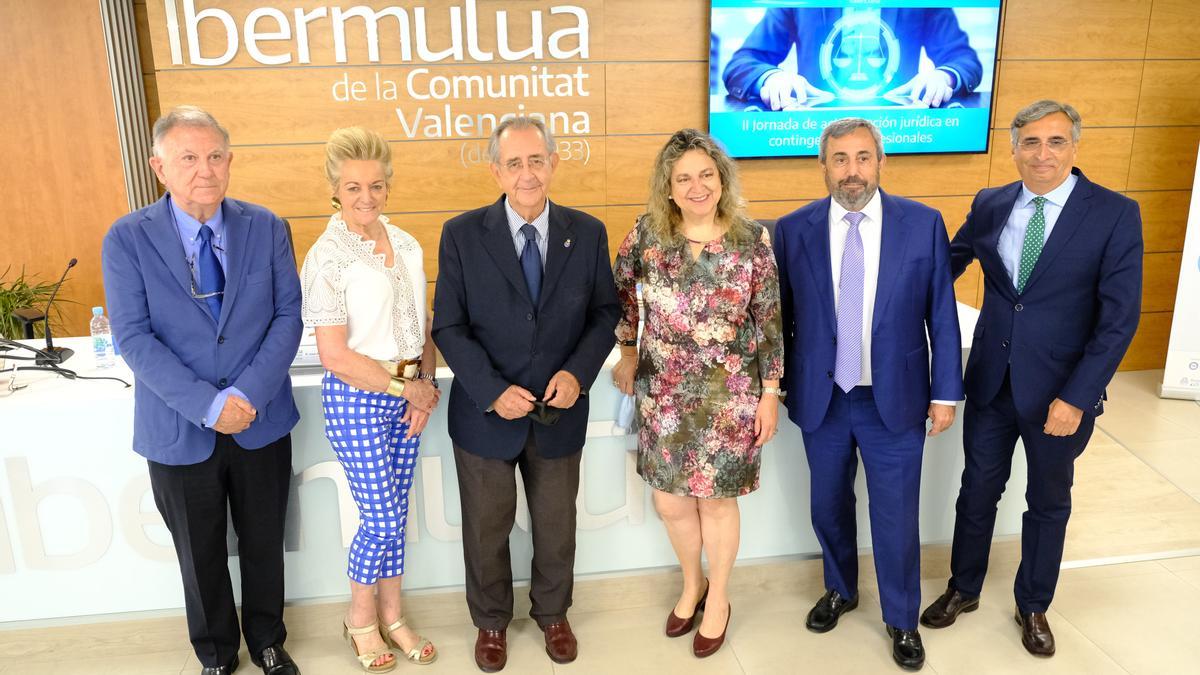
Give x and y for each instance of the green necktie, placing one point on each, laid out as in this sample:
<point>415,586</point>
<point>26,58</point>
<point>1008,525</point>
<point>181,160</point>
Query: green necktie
<point>1035,237</point>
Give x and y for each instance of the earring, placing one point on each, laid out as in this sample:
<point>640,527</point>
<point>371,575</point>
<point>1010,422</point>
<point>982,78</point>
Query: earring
<point>337,203</point>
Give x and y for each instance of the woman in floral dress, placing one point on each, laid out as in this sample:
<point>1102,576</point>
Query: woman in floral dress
<point>708,369</point>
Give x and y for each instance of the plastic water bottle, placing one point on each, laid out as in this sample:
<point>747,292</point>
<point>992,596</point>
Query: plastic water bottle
<point>102,343</point>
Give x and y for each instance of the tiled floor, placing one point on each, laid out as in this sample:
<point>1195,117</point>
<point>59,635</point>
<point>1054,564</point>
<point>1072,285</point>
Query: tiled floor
<point>1127,602</point>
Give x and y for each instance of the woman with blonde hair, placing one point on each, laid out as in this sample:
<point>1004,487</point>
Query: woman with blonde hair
<point>364,292</point>
<point>708,370</point>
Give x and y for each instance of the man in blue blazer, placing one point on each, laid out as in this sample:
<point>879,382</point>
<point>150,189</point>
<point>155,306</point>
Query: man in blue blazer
<point>205,306</point>
<point>1062,269</point>
<point>524,315</point>
<point>868,306</point>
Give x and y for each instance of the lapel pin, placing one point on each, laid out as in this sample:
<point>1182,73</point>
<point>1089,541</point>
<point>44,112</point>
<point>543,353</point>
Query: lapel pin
<point>567,244</point>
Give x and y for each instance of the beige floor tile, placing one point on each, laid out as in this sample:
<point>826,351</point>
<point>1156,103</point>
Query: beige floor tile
<point>1192,576</point>
<point>988,640</point>
<point>1146,623</point>
<point>161,663</point>
<point>1177,461</point>
<point>1121,506</point>
<point>771,637</point>
<point>1180,564</point>
<point>1135,413</point>
<point>1110,571</point>
<point>631,641</point>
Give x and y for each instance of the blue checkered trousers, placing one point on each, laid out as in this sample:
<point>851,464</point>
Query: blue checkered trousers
<point>367,436</point>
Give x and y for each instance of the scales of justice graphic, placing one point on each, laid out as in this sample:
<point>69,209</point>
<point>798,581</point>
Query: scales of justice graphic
<point>860,57</point>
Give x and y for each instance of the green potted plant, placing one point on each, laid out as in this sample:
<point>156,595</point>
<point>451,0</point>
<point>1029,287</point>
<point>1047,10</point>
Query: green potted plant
<point>23,291</point>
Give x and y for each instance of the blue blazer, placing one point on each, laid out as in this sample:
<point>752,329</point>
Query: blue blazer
<point>180,357</point>
<point>915,294</point>
<point>491,335</point>
<point>1066,333</point>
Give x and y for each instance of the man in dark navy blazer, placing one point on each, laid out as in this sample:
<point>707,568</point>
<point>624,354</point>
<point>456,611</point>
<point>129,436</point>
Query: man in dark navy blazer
<point>205,306</point>
<point>1062,269</point>
<point>524,315</point>
<point>868,316</point>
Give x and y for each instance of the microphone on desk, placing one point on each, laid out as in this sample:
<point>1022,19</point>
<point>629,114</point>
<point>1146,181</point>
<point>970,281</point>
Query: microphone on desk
<point>51,355</point>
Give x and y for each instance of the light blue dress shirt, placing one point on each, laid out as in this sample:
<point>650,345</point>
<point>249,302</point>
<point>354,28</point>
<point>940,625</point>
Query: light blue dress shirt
<point>541,223</point>
<point>189,236</point>
<point>1012,237</point>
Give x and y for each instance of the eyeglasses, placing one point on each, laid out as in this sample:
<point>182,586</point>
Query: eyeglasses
<point>1056,144</point>
<point>194,276</point>
<point>515,165</point>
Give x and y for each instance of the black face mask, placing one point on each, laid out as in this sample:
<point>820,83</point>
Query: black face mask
<point>544,414</point>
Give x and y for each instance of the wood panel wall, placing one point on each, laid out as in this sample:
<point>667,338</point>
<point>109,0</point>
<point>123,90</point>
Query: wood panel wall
<point>61,179</point>
<point>1130,66</point>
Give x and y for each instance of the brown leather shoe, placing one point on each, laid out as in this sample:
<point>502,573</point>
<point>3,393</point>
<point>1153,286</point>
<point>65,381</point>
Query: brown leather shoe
<point>705,646</point>
<point>491,650</point>
<point>946,609</point>
<point>1035,633</point>
<point>561,645</point>
<point>677,627</point>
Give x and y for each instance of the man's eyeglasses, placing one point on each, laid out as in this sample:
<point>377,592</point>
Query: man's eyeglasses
<point>1056,144</point>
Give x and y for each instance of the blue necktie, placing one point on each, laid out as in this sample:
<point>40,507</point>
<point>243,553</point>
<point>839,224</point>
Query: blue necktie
<point>531,263</point>
<point>848,363</point>
<point>212,277</point>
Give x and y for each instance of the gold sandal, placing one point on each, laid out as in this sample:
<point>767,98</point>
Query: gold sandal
<point>413,655</point>
<point>367,660</point>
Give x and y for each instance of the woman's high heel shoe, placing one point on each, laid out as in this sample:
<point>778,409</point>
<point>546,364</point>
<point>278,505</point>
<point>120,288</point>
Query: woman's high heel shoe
<point>677,627</point>
<point>367,659</point>
<point>703,646</point>
<point>416,654</point>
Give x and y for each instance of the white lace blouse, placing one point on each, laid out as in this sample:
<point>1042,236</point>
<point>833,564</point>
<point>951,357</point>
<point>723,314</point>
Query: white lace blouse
<point>346,283</point>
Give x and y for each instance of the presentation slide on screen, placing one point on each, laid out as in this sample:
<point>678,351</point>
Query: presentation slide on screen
<point>921,70</point>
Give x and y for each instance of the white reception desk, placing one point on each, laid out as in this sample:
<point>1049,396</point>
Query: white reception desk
<point>79,534</point>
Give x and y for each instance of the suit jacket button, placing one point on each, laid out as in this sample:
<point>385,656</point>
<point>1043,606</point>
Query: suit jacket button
<point>829,374</point>
<point>1004,345</point>
<point>529,316</point>
<point>222,382</point>
<point>220,339</point>
<point>1019,307</point>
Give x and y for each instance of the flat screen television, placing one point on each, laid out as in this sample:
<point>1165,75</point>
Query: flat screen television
<point>922,70</point>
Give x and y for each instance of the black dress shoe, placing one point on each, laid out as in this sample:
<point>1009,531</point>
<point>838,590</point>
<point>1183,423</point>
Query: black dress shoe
<point>823,617</point>
<point>907,650</point>
<point>1035,633</point>
<point>946,609</point>
<point>221,670</point>
<point>274,660</point>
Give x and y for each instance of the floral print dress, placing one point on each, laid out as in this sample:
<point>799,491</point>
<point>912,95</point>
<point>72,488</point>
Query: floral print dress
<point>712,334</point>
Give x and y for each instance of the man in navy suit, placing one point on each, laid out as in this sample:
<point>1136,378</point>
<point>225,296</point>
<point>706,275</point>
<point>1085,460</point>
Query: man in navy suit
<point>524,315</point>
<point>1062,266</point>
<point>868,303</point>
<point>205,306</point>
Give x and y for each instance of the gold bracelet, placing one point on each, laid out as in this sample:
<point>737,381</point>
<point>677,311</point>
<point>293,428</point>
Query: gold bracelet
<point>773,390</point>
<point>396,387</point>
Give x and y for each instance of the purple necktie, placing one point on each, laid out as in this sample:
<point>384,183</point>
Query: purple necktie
<point>847,369</point>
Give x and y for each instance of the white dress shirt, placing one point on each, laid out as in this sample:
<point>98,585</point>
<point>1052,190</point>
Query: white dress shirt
<point>871,230</point>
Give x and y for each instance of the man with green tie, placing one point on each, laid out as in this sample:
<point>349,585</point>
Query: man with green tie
<point>1062,266</point>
